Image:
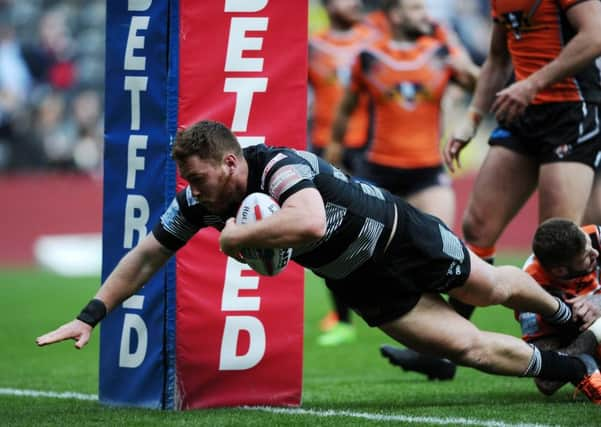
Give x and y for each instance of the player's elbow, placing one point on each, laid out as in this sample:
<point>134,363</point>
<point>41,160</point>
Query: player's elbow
<point>314,228</point>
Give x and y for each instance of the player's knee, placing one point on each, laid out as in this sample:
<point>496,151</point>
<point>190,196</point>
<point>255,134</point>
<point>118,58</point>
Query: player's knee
<point>474,227</point>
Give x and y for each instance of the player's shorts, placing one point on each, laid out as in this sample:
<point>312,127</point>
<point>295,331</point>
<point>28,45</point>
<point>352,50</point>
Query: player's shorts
<point>352,158</point>
<point>404,182</point>
<point>423,256</point>
<point>555,132</point>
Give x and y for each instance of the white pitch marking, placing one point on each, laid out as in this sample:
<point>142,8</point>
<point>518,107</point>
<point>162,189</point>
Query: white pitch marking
<point>388,418</point>
<point>54,394</point>
<point>299,411</point>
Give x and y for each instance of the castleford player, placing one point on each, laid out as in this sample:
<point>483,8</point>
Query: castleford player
<point>331,53</point>
<point>406,77</point>
<point>549,134</point>
<point>549,122</point>
<point>386,259</point>
<point>566,264</point>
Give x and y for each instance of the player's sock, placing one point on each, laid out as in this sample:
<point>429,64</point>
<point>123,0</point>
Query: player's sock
<point>585,343</point>
<point>562,315</point>
<point>551,365</point>
<point>343,310</point>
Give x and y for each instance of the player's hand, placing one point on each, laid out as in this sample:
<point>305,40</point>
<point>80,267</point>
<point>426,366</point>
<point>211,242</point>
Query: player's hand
<point>228,238</point>
<point>74,330</point>
<point>333,153</point>
<point>462,135</point>
<point>584,311</point>
<point>512,101</point>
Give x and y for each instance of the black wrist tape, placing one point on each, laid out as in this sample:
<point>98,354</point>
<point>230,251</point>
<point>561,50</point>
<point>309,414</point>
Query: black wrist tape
<point>93,313</point>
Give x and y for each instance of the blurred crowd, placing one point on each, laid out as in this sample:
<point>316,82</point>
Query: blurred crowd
<point>51,84</point>
<point>470,19</point>
<point>52,76</point>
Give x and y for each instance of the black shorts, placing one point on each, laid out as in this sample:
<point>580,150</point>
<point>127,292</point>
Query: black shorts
<point>423,256</point>
<point>555,132</point>
<point>404,182</point>
<point>352,158</point>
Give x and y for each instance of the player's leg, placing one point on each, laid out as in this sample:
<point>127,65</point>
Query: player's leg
<point>342,330</point>
<point>504,182</point>
<point>433,327</point>
<point>564,189</point>
<point>511,287</point>
<point>592,213</point>
<point>438,200</point>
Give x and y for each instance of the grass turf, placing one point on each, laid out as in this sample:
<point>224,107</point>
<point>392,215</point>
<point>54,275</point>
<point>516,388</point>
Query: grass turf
<point>351,378</point>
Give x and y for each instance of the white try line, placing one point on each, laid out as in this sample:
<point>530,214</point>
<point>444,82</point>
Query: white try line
<point>56,395</point>
<point>300,411</point>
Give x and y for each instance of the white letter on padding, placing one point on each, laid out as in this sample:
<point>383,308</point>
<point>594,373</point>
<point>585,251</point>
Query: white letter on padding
<point>138,5</point>
<point>244,5</point>
<point>132,62</point>
<point>238,42</point>
<point>128,359</point>
<point>229,360</point>
<point>135,204</point>
<point>244,87</point>
<point>135,162</point>
<point>234,281</point>
<point>135,84</point>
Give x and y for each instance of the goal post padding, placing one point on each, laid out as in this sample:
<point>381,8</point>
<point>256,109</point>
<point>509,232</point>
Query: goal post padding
<point>205,331</point>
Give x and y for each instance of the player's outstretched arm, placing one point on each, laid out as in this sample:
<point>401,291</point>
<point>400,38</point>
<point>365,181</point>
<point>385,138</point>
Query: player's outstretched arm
<point>129,275</point>
<point>493,76</point>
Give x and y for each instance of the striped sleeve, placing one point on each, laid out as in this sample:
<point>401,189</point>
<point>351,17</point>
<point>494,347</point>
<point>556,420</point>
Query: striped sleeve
<point>174,230</point>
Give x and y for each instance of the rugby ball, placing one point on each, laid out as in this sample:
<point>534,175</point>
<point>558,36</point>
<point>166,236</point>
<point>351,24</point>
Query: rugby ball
<point>265,261</point>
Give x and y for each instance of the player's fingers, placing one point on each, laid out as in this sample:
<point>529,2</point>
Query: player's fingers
<point>587,324</point>
<point>499,100</point>
<point>447,157</point>
<point>52,337</point>
<point>83,340</point>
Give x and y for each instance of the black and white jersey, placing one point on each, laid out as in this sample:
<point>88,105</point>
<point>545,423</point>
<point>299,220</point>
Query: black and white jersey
<point>360,217</point>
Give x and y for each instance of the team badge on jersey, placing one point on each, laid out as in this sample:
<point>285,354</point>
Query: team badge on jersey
<point>408,94</point>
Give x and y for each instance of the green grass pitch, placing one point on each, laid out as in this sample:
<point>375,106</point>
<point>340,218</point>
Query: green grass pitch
<point>353,381</point>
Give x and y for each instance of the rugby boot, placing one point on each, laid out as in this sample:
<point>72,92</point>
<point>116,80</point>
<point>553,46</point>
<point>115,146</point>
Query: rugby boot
<point>590,385</point>
<point>329,321</point>
<point>342,333</point>
<point>433,367</point>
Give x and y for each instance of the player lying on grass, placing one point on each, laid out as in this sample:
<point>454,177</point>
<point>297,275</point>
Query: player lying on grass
<point>566,264</point>
<point>386,259</point>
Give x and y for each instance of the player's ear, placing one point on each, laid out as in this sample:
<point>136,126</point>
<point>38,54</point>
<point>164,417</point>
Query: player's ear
<point>230,162</point>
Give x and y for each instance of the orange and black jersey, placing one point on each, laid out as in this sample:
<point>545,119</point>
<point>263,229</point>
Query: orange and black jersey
<point>533,325</point>
<point>406,82</point>
<point>579,286</point>
<point>536,31</point>
<point>331,54</point>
